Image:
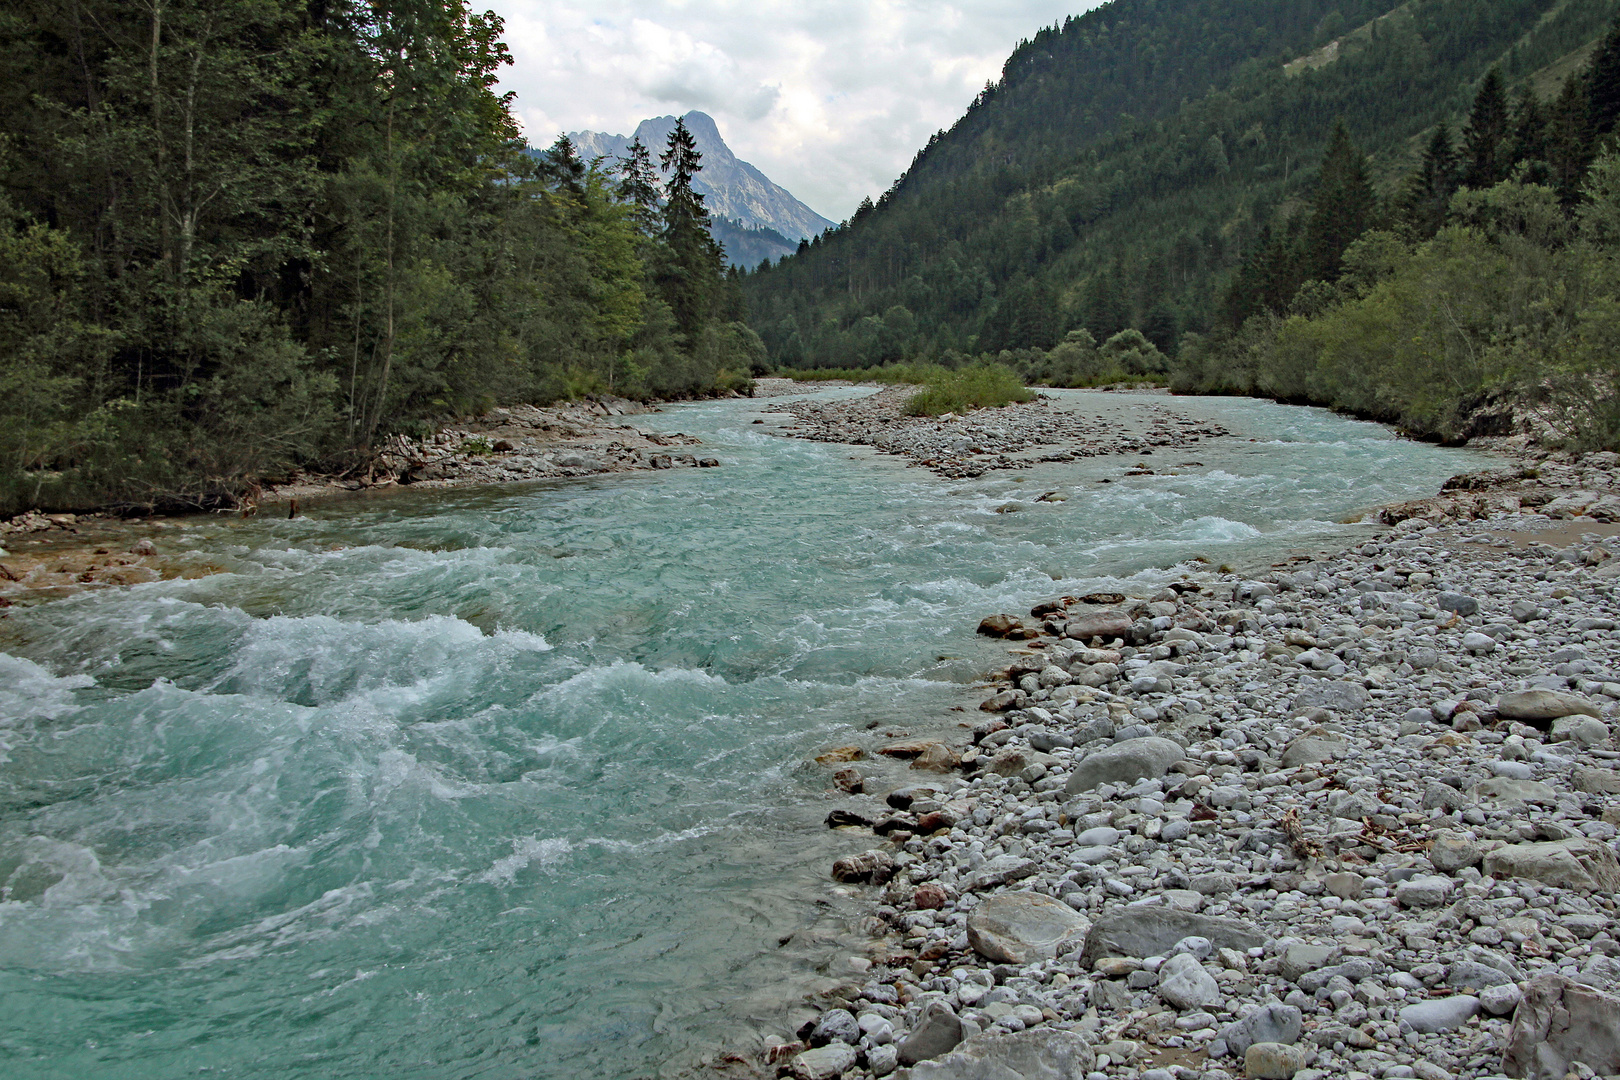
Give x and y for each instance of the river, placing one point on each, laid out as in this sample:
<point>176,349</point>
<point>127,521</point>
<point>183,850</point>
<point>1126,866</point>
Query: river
<point>511,782</point>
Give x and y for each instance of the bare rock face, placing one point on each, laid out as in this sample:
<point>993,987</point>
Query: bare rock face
<point>1038,1054</point>
<point>1559,1021</point>
<point>1581,863</point>
<point>1018,928</point>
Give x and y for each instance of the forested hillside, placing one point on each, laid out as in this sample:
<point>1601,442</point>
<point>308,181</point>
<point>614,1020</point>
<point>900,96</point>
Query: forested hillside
<point>1128,162</point>
<point>241,234</point>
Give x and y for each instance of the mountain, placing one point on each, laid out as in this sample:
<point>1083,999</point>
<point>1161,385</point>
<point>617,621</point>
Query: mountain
<point>731,187</point>
<point>1125,163</point>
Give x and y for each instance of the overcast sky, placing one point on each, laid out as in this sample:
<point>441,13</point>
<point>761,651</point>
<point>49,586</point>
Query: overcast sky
<point>831,98</point>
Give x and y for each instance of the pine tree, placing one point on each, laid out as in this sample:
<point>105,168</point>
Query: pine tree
<point>1429,189</point>
<point>690,275</point>
<point>1485,136</point>
<point>561,165</point>
<point>1569,139</point>
<point>1527,136</point>
<point>1343,207</point>
<point>638,186</point>
<point>1603,84</point>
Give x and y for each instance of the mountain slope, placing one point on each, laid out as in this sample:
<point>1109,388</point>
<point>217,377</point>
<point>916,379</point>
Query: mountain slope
<point>1125,161</point>
<point>731,187</point>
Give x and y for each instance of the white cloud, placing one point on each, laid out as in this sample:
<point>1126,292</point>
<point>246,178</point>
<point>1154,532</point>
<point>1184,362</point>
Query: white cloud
<point>831,98</point>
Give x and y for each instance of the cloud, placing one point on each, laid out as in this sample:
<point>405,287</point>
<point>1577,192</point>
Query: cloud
<point>831,98</point>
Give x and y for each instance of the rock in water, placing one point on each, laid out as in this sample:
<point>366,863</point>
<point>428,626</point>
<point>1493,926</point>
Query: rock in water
<point>1154,931</point>
<point>1124,763</point>
<point>835,1025</point>
<point>1581,863</point>
<point>1037,1054</point>
<point>1543,705</point>
<point>874,866</point>
<point>1560,1021</point>
<point>1019,928</point>
<point>999,625</point>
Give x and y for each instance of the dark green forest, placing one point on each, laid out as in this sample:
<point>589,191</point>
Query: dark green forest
<point>1198,192</point>
<point>240,235</point>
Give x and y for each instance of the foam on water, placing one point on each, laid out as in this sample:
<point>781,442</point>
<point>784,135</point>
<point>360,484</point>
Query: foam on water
<point>510,782</point>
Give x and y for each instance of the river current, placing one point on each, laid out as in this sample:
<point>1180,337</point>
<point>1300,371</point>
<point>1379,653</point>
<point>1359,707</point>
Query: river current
<point>511,782</point>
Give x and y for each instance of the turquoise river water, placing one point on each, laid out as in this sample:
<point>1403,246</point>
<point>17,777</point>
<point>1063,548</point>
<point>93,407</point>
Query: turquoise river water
<point>510,782</point>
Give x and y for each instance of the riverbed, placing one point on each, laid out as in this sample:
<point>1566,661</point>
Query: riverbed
<point>514,780</point>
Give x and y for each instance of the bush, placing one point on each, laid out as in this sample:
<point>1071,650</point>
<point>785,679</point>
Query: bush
<point>979,387</point>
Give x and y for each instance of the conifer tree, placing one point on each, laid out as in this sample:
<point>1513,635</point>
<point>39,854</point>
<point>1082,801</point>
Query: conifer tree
<point>1603,84</point>
<point>1569,139</point>
<point>1485,136</point>
<point>690,275</point>
<point>638,186</point>
<point>1343,207</point>
<point>1429,189</point>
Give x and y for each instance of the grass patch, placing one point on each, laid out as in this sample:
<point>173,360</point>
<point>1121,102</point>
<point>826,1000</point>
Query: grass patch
<point>943,390</point>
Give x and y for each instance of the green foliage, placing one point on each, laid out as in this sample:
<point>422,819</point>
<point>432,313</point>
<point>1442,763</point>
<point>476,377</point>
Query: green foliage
<point>243,235</point>
<point>981,386</point>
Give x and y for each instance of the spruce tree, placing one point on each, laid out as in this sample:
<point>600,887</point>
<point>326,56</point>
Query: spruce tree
<point>1569,139</point>
<point>1429,189</point>
<point>638,186</point>
<point>1603,84</point>
<point>1485,136</point>
<point>1342,210</point>
<point>690,275</point>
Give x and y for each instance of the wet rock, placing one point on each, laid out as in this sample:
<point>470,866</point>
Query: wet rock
<point>1580,863</point>
<point>1559,1022</point>
<point>1124,763</point>
<point>999,625</point>
<point>875,867</point>
<point>1018,928</point>
<point>1038,1054</point>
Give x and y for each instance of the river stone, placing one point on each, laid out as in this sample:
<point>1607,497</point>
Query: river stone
<point>1105,624</point>
<point>1580,863</point>
<point>1154,931</point>
<point>1272,1061</point>
<point>1452,851</point>
<point>1428,891</point>
<point>1019,928</point>
<point>1311,750</point>
<point>1505,789</point>
<point>999,871</point>
<point>1341,697</point>
<point>1543,705</point>
<point>882,1059</point>
<point>1439,1014</point>
<point>1501,999</point>
<point>1582,730</point>
<point>1184,983</point>
<point>823,1063</point>
<point>1466,606</point>
<point>1037,1054</point>
<point>835,1025</point>
<point>1124,763</point>
<point>1557,1022</point>
<point>939,1033</point>
<point>1473,976</point>
<point>1270,1023</point>
<point>1597,781</point>
<point>873,866</point>
<point>1301,959</point>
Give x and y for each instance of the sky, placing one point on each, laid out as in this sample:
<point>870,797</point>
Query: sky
<point>830,98</point>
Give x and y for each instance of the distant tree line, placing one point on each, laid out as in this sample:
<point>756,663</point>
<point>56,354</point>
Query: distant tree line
<point>1132,163</point>
<point>240,235</point>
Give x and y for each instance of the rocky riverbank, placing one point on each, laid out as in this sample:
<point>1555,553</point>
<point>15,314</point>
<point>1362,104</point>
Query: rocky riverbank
<point>1010,437</point>
<point>1352,817</point>
<point>508,445</point>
